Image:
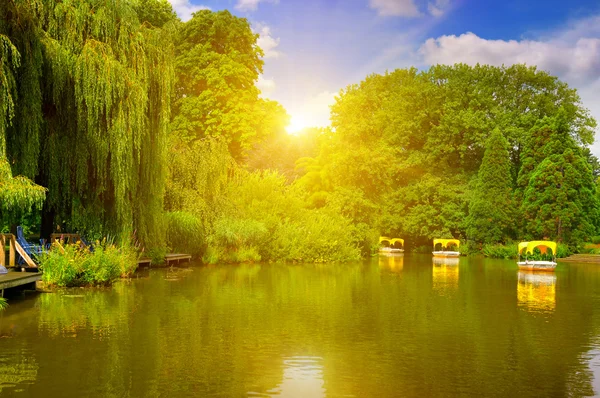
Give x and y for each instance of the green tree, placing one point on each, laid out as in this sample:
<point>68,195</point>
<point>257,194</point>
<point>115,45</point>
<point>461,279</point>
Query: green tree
<point>560,200</point>
<point>217,64</point>
<point>17,194</point>
<point>491,209</point>
<point>93,85</point>
<point>155,12</point>
<point>410,141</point>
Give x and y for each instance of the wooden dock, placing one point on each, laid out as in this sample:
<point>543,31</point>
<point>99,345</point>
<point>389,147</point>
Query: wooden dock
<point>15,279</point>
<point>144,262</point>
<point>170,259</point>
<point>177,258</point>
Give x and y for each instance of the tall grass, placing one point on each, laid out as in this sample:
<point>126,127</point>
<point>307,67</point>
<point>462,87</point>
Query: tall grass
<point>76,265</point>
<point>185,233</point>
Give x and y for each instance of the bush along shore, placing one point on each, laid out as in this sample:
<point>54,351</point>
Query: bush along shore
<point>77,265</point>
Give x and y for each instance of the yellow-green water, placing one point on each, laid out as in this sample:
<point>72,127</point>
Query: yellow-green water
<point>390,327</point>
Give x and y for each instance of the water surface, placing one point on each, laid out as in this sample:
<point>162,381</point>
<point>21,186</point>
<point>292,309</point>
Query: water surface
<point>388,327</point>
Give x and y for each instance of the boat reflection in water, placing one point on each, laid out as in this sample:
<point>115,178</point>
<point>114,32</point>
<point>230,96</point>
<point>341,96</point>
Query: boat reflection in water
<point>445,273</point>
<point>392,262</point>
<point>536,292</point>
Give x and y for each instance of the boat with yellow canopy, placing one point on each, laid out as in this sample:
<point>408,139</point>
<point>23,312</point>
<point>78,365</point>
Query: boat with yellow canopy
<point>445,244</point>
<point>526,250</point>
<point>392,248</point>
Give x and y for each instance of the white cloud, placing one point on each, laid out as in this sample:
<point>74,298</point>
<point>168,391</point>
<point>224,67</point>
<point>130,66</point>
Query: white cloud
<point>395,8</point>
<point>184,8</point>
<point>572,54</point>
<point>438,8</point>
<point>266,41</point>
<point>251,5</point>
<point>266,86</point>
<point>577,61</point>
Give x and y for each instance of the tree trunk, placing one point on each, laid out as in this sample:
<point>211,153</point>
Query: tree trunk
<point>47,225</point>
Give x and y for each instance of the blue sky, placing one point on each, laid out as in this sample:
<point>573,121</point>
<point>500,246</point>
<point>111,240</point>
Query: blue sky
<point>314,48</point>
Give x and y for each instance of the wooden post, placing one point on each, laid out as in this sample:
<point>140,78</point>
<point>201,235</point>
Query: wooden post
<point>11,253</point>
<point>10,261</point>
<point>2,252</point>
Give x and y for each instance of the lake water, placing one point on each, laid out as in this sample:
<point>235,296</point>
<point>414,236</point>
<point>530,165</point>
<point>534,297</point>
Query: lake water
<point>388,327</point>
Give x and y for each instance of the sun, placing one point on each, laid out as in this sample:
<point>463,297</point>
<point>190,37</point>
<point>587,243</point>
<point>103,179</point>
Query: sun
<point>298,123</point>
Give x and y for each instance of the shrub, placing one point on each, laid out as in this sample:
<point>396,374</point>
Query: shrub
<point>235,241</point>
<point>469,248</point>
<point>62,265</point>
<point>500,250</point>
<point>563,251</point>
<point>75,265</point>
<point>422,249</point>
<point>318,236</point>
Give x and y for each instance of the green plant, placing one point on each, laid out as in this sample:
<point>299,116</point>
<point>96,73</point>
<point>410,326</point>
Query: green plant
<point>3,304</point>
<point>500,251</point>
<point>75,265</point>
<point>470,248</point>
<point>563,251</point>
<point>62,265</point>
<point>185,233</point>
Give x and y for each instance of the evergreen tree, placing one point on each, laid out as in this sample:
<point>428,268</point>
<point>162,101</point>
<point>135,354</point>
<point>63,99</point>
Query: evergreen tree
<point>560,200</point>
<point>491,210</point>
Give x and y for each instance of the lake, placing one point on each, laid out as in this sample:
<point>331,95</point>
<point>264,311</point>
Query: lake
<point>386,327</point>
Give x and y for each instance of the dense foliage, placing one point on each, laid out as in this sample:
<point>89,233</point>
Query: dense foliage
<point>491,207</point>
<point>89,86</point>
<point>439,153</point>
<point>77,265</point>
<point>144,127</point>
<point>217,63</point>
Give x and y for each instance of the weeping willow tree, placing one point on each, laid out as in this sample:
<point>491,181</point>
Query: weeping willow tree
<point>16,193</point>
<point>89,86</point>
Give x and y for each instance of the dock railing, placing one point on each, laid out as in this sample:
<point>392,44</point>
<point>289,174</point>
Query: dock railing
<point>13,248</point>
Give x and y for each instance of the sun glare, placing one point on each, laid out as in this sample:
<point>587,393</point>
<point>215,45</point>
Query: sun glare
<point>297,124</point>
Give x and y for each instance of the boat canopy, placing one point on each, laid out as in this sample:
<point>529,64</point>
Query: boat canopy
<point>391,240</point>
<point>446,242</point>
<point>542,244</point>
<point>522,246</point>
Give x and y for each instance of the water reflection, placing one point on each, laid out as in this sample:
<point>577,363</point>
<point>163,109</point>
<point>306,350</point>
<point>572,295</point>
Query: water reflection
<point>302,377</point>
<point>445,274</point>
<point>362,331</point>
<point>17,369</point>
<point>446,260</point>
<point>536,292</point>
<point>391,262</point>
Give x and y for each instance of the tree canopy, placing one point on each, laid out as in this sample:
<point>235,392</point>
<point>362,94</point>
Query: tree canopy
<point>413,144</point>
